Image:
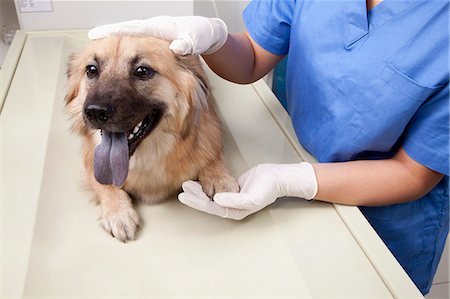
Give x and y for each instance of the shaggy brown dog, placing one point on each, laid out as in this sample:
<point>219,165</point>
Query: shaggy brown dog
<point>146,126</point>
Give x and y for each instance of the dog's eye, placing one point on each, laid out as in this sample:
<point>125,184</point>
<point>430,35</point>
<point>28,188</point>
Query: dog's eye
<point>91,71</point>
<point>143,72</point>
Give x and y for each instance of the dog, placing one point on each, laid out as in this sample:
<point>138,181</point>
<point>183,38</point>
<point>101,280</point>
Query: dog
<point>143,115</point>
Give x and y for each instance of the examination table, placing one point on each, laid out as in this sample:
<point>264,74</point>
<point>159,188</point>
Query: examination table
<point>52,245</point>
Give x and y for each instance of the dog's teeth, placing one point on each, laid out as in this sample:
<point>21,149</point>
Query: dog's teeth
<point>136,129</point>
<point>130,136</point>
<point>139,124</point>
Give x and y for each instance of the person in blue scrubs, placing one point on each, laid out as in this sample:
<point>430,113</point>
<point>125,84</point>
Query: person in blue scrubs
<point>368,94</point>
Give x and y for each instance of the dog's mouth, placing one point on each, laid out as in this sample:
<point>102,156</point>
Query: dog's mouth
<point>142,130</point>
<point>111,158</point>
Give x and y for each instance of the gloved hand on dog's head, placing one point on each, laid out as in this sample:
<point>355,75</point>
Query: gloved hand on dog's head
<point>189,35</point>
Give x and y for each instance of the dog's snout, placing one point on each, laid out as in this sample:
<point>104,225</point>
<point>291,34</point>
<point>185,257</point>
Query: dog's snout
<point>98,114</point>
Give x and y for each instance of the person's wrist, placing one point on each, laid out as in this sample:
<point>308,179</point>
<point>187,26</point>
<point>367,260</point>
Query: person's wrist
<point>220,30</point>
<point>313,188</point>
<point>298,180</point>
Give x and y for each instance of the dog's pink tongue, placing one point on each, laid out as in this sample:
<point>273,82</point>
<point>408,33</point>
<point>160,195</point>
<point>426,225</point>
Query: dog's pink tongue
<point>111,159</point>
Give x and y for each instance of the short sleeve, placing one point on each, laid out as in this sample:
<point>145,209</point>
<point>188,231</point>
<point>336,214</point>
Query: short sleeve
<point>427,135</point>
<point>269,23</point>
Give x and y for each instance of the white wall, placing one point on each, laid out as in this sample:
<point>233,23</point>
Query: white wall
<point>8,23</point>
<point>81,14</point>
<point>77,14</point>
<point>228,10</point>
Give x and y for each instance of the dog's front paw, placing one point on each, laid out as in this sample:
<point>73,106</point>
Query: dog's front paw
<point>222,183</point>
<point>120,221</point>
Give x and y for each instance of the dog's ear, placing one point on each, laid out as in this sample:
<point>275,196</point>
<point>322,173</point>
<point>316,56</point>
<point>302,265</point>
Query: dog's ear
<point>196,89</point>
<point>193,66</point>
<point>200,93</point>
<point>74,75</point>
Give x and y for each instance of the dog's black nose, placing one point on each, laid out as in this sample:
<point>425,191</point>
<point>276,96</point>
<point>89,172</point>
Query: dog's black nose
<point>98,114</point>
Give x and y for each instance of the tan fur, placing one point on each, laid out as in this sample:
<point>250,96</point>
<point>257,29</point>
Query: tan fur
<point>185,145</point>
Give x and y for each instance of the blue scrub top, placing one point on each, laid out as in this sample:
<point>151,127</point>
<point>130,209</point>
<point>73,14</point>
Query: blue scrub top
<point>360,85</point>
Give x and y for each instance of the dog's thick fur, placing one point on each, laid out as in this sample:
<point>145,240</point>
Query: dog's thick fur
<point>185,144</point>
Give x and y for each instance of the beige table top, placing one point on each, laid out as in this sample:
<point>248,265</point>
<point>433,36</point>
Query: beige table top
<point>53,247</point>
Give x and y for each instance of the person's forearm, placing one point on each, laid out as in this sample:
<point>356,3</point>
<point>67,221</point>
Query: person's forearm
<point>372,182</point>
<point>235,60</point>
<point>241,60</point>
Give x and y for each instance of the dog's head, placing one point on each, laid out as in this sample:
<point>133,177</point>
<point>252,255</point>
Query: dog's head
<point>128,87</point>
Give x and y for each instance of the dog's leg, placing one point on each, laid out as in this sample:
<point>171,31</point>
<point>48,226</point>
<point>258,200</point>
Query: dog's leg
<point>215,178</point>
<point>118,215</point>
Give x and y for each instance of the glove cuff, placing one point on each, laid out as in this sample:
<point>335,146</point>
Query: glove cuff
<point>298,180</point>
<point>220,33</point>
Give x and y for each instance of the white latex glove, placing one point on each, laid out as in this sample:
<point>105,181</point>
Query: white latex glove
<point>190,35</point>
<point>260,186</point>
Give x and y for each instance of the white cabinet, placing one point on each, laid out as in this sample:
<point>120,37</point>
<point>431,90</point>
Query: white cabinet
<point>53,247</point>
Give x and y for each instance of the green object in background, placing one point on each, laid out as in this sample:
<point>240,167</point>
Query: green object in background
<point>279,81</point>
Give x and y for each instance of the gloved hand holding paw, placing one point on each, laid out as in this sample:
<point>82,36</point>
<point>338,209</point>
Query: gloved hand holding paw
<point>260,186</point>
